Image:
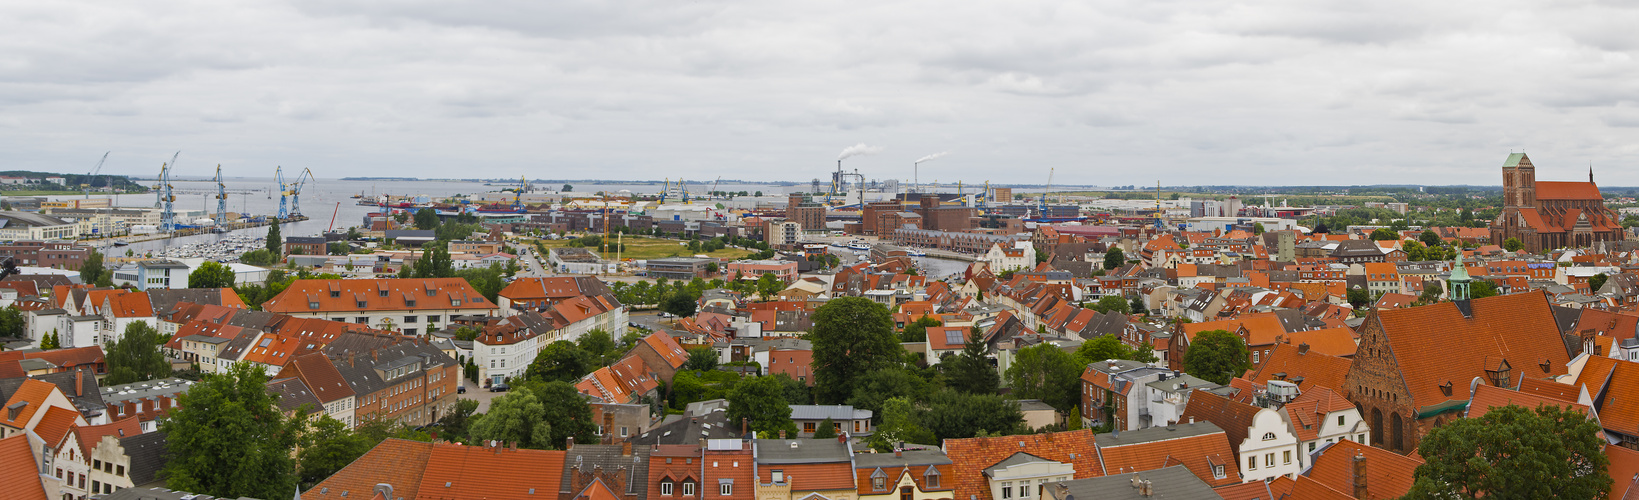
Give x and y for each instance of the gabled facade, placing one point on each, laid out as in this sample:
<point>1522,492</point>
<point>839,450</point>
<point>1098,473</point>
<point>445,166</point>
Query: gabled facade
<point>410,306</point>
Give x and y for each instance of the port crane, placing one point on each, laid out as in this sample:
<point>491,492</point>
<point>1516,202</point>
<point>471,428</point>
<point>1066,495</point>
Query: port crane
<point>159,194</point>
<point>86,184</point>
<point>221,197</point>
<point>167,215</point>
<point>279,176</point>
<point>296,191</point>
<point>1042,210</point>
<point>517,197</point>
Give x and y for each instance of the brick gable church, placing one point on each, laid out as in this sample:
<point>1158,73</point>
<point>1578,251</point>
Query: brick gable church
<point>1547,215</point>
<point>1416,368</point>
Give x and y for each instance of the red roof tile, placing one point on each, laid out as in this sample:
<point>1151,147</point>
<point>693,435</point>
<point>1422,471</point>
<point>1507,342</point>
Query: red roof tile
<point>55,424</point>
<point>1624,471</point>
<point>1561,190</point>
<point>448,293</point>
<point>1309,489</point>
<point>1488,397</point>
<point>1329,341</point>
<point>89,435</point>
<point>397,462</point>
<point>1200,453</point>
<point>1388,474</point>
<point>1550,389</point>
<point>18,470</point>
<point>32,394</point>
<point>1315,368</point>
<point>1256,490</point>
<point>1234,418</point>
<point>971,456</point>
<point>1518,328</point>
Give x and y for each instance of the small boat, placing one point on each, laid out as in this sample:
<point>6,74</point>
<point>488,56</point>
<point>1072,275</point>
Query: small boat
<point>858,245</point>
<point>916,253</point>
<point>121,244</point>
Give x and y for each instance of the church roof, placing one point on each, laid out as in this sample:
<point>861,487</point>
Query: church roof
<point>1563,190</point>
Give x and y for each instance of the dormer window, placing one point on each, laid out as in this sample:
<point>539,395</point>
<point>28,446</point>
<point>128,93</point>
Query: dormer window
<point>313,305</point>
<point>381,293</point>
<point>455,302</point>
<point>361,304</point>
<point>334,294</point>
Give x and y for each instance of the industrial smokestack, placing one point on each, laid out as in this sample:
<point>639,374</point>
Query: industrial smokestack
<point>932,157</point>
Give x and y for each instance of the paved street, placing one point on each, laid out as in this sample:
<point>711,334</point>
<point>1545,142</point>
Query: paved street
<point>479,393</point>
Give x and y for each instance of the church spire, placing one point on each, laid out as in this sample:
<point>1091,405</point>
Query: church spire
<point>1590,172</point>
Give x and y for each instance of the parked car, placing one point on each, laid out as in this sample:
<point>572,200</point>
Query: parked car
<point>501,387</point>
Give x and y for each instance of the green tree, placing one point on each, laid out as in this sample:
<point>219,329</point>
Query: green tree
<point>768,285</point>
<point>900,424</point>
<point>971,371</point>
<point>254,459</point>
<point>701,359</point>
<point>338,248</point>
<point>136,357</point>
<point>435,262</point>
<point>1112,303</point>
<point>258,257</point>
<point>560,360</point>
<point>1430,238</point>
<point>872,389</point>
<point>1431,292</point>
<point>50,341</point>
<point>12,323</point>
<point>1597,282</point>
<point>851,336</point>
<point>516,417</point>
<point>679,303</point>
<point>1479,289</point>
<point>827,429</point>
<point>486,280</point>
<point>1137,306</point>
<point>1359,298</point>
<point>1514,452</point>
<point>568,412</point>
<point>454,423</point>
<point>1216,356</point>
<point>950,414</point>
<point>599,346</point>
<point>275,242</point>
<point>761,402</point>
<point>1044,371</point>
<point>1114,258</point>
<point>327,447</point>
<point>1105,347</point>
<point>1384,234</point>
<point>568,188</point>
<point>1512,245</point>
<point>92,271</point>
<point>211,275</point>
<point>1257,228</point>
<point>426,219</point>
<point>917,331</point>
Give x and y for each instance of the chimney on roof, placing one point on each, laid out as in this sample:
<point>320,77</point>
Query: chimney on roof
<point>842,438</point>
<point>384,490</point>
<point>1303,348</point>
<point>782,433</point>
<point>569,443</point>
<point>79,383</point>
<point>626,448</point>
<point>1359,475</point>
<point>743,430</point>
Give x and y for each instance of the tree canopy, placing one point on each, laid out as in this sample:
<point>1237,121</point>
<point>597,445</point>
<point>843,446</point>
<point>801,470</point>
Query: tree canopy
<point>1216,356</point>
<point>1114,258</point>
<point>211,275</point>
<point>1045,372</point>
<point>917,331</point>
<point>1512,244</point>
<point>1108,347</point>
<point>136,357</point>
<point>851,336</point>
<point>679,303</point>
<point>93,272</point>
<point>971,371</point>
<point>561,360</point>
<point>761,402</point>
<point>1112,303</point>
<point>253,460</point>
<point>275,242</point>
<point>1514,452</point>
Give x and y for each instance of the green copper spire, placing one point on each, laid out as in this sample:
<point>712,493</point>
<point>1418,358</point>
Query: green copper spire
<point>1459,279</point>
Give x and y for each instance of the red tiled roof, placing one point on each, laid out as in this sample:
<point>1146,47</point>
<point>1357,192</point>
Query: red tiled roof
<point>1518,328</point>
<point>55,424</point>
<point>1316,369</point>
<point>813,476</point>
<point>668,348</point>
<point>1309,410</point>
<point>1388,474</point>
<point>1562,190</point>
<point>1261,328</point>
<point>70,357</point>
<point>1199,453</point>
<point>88,436</point>
<point>597,491</point>
<point>32,393</point>
<point>1234,418</point>
<point>1309,489</point>
<point>971,456</point>
<point>398,462</point>
<point>18,471</point>
<point>1550,389</point>
<point>319,375</point>
<point>1618,377</point>
<point>1338,341</point>
<point>1487,397</point>
<point>1624,470</point>
<point>1256,490</point>
<point>296,299</point>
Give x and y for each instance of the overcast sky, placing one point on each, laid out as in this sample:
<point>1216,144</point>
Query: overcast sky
<point>1107,92</point>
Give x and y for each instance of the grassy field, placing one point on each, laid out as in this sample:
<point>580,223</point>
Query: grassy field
<point>645,248</point>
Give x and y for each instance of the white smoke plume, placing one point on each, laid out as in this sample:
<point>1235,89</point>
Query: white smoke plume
<point>932,157</point>
<point>859,149</point>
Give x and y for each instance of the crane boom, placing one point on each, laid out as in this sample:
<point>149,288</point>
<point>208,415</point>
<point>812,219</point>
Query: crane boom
<point>86,185</point>
<point>279,175</point>
<point>296,191</point>
<point>1044,192</point>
